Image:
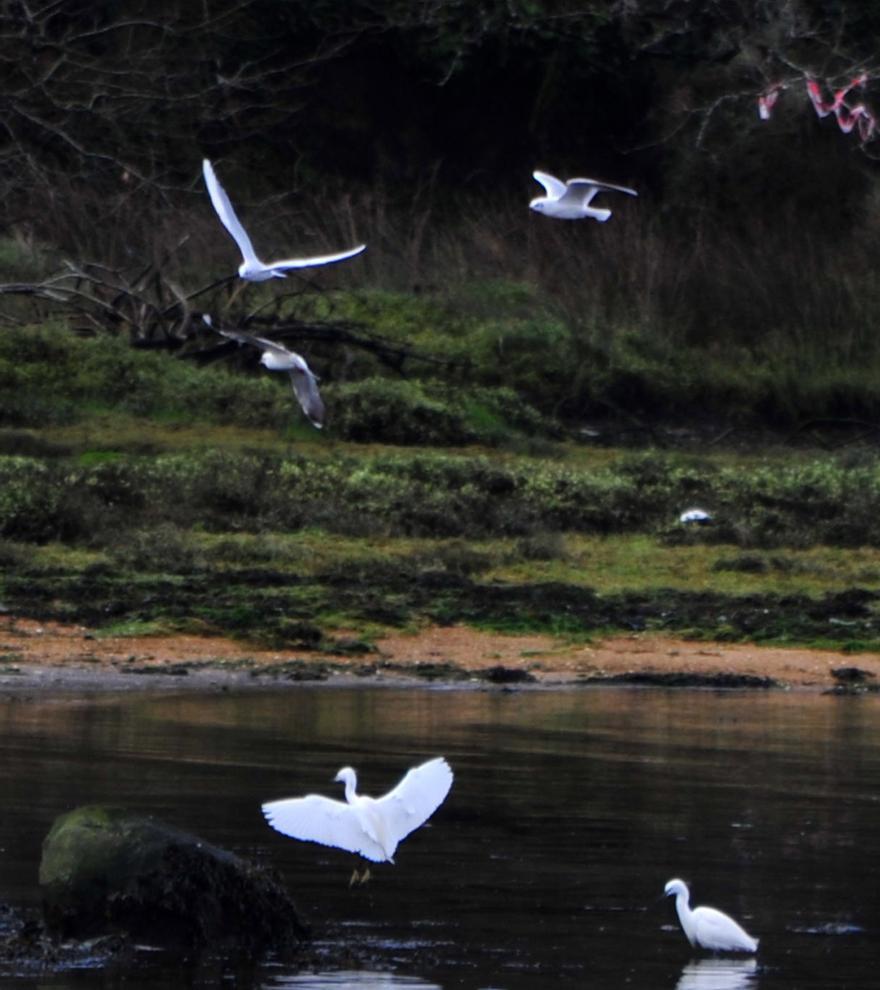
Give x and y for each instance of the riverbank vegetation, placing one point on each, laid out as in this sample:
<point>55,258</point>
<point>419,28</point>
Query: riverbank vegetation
<point>518,410</point>
<point>141,493</point>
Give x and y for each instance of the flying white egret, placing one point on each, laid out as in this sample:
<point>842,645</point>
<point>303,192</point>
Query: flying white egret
<point>707,928</point>
<point>278,358</point>
<point>370,827</point>
<point>251,267</point>
<point>571,200</point>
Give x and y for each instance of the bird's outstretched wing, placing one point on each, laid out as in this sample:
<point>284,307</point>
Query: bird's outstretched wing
<point>553,187</point>
<point>224,210</point>
<point>322,259</point>
<point>248,338</point>
<point>580,194</point>
<point>316,818</point>
<point>582,184</point>
<point>416,797</point>
<point>305,388</point>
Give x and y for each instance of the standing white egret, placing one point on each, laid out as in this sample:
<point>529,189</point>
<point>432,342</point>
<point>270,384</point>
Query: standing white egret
<point>370,827</point>
<point>571,200</point>
<point>276,357</point>
<point>251,267</point>
<point>707,928</point>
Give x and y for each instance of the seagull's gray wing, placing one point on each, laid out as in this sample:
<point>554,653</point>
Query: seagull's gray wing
<point>305,388</point>
<point>597,185</point>
<point>322,259</point>
<point>555,188</point>
<point>581,194</point>
<point>224,210</point>
<point>249,338</point>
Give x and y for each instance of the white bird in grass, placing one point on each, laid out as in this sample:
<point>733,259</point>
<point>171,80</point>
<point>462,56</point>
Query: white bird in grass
<point>278,358</point>
<point>251,267</point>
<point>696,516</point>
<point>707,928</point>
<point>571,200</point>
<point>370,827</point>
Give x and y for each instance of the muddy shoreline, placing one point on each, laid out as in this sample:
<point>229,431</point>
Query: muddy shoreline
<point>46,658</point>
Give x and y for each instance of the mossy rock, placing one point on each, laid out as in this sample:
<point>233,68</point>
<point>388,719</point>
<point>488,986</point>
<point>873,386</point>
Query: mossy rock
<point>106,870</point>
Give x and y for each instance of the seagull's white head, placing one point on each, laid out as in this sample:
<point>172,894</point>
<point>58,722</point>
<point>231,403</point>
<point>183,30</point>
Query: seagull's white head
<point>539,204</point>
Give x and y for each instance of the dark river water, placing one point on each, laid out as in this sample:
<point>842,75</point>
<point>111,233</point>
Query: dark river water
<point>546,865</point>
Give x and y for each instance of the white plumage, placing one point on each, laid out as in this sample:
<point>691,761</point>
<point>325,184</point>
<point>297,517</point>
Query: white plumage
<point>571,200</point>
<point>276,357</point>
<point>251,267</point>
<point>699,516</point>
<point>707,928</point>
<point>370,827</point>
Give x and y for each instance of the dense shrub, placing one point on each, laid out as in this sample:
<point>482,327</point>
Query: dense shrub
<point>430,414</point>
<point>381,410</point>
<point>436,495</point>
<point>49,376</point>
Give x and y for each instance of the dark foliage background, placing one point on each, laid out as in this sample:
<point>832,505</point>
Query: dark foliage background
<point>472,94</point>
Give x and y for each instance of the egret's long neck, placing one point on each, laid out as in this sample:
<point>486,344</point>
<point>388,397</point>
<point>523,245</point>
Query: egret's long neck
<point>685,915</point>
<point>350,785</point>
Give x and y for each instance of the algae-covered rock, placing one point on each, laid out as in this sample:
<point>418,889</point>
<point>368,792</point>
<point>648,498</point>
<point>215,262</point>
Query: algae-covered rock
<point>106,870</point>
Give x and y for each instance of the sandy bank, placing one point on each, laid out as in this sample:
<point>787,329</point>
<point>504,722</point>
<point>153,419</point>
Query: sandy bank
<point>44,656</point>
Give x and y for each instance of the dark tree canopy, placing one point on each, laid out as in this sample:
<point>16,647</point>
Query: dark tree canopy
<point>116,103</point>
<point>385,90</point>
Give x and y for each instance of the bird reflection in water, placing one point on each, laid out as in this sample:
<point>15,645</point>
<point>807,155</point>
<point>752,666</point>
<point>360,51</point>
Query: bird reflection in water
<point>718,974</point>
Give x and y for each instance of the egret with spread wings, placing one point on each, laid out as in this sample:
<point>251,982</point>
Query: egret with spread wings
<point>370,827</point>
<point>251,267</point>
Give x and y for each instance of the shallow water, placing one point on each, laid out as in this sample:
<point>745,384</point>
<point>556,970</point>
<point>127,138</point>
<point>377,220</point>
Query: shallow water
<point>569,812</point>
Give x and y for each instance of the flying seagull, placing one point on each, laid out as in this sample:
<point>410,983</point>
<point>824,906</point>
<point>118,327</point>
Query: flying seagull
<point>278,358</point>
<point>251,268</point>
<point>707,928</point>
<point>370,827</point>
<point>571,200</point>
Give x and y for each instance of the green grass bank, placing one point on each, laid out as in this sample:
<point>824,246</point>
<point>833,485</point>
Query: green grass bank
<point>141,492</point>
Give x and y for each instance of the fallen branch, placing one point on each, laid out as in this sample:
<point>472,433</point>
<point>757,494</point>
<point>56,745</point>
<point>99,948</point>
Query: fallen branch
<point>155,312</point>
